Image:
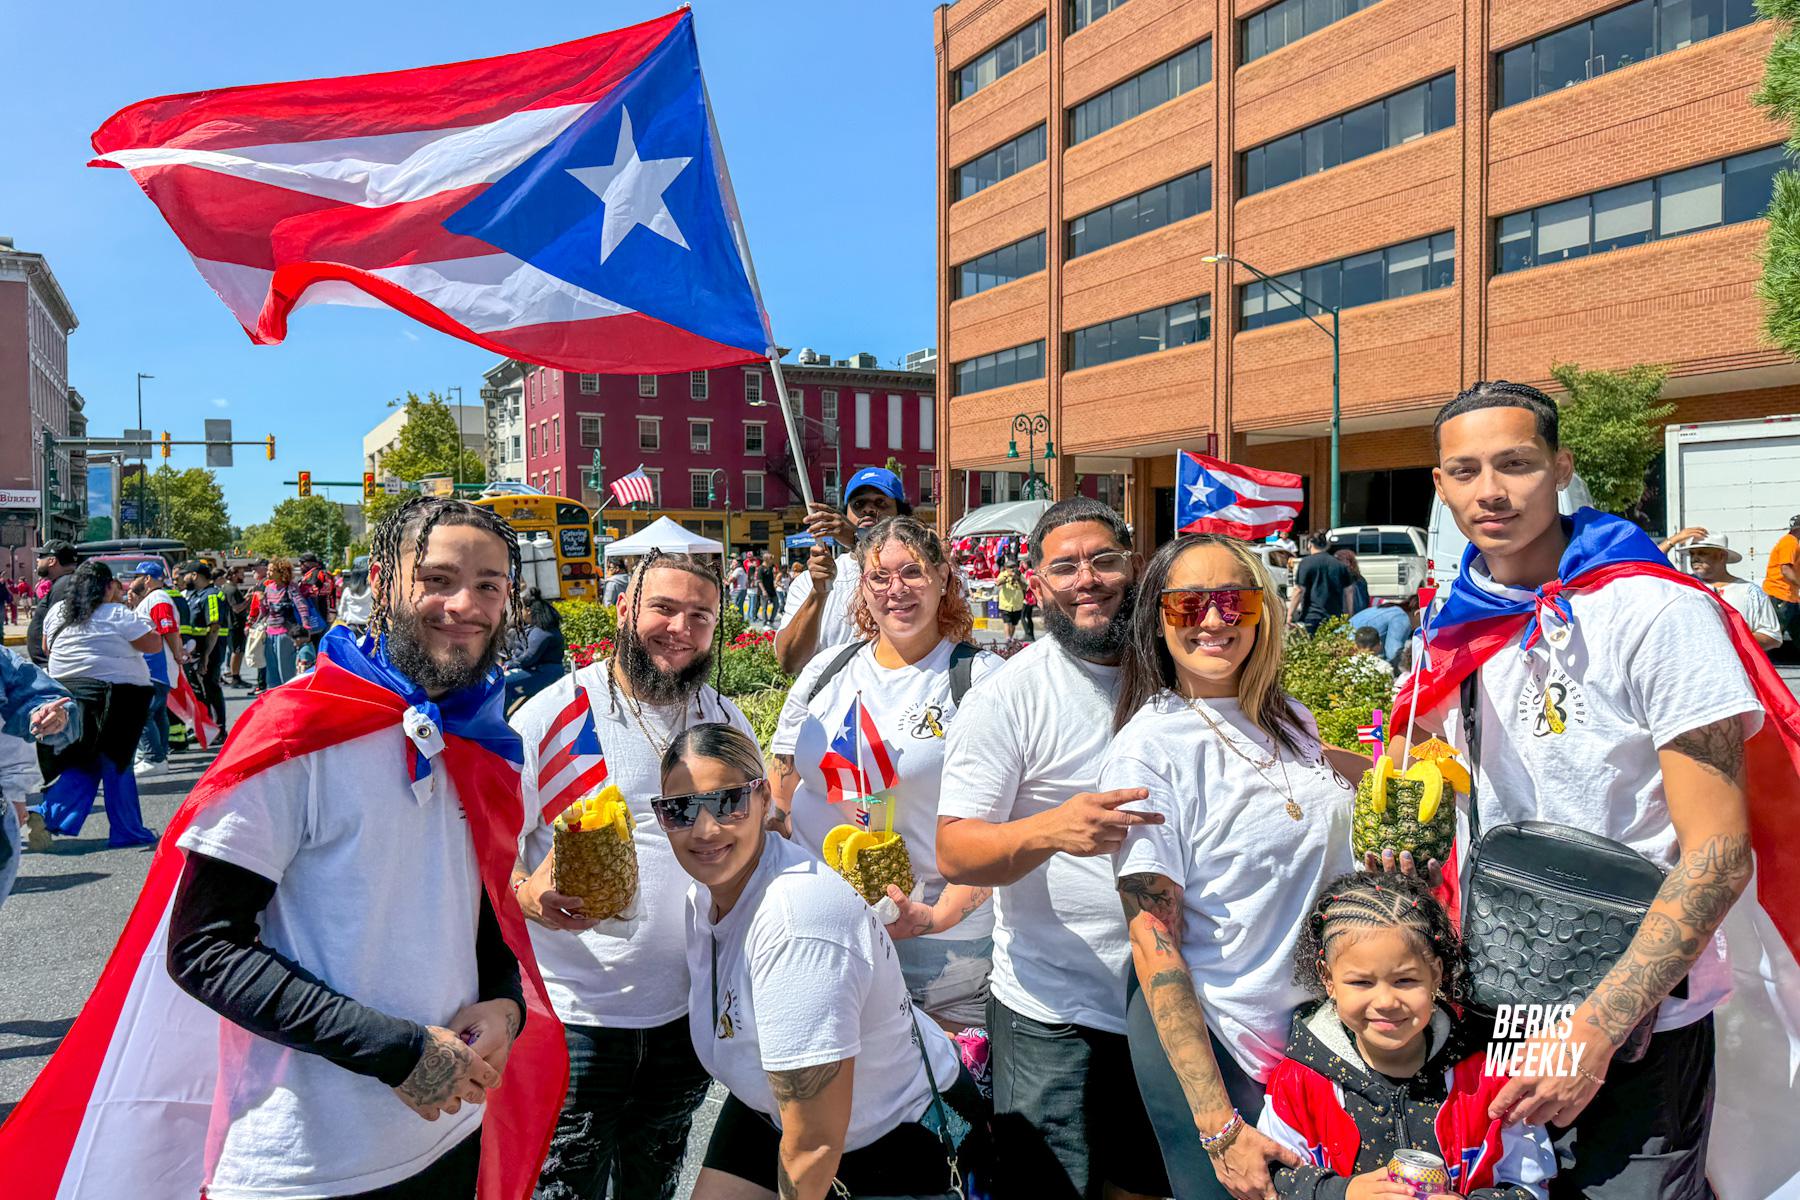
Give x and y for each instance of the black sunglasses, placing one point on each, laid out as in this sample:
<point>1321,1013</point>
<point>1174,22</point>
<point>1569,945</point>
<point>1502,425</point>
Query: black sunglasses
<point>727,806</point>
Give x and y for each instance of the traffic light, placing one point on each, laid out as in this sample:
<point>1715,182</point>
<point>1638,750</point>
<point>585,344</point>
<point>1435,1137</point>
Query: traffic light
<point>271,447</point>
<point>368,485</point>
<point>306,483</point>
<point>167,443</point>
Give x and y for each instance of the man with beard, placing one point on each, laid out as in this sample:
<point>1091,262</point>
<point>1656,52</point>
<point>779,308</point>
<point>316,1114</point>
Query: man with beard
<point>56,563</point>
<point>1025,820</point>
<point>620,986</point>
<point>817,614</point>
<point>343,911</point>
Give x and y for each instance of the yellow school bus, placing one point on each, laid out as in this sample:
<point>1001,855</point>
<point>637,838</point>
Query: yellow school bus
<point>556,542</point>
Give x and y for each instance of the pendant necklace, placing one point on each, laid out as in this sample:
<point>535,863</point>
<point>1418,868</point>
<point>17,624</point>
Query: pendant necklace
<point>1262,765</point>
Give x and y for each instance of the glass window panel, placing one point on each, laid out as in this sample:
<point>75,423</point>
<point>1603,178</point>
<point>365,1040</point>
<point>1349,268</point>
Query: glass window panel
<point>1406,116</point>
<point>1278,304</point>
<point>1739,13</point>
<point>1125,218</point>
<point>1313,282</point>
<point>1100,228</point>
<point>1006,160</point>
<point>1318,15</point>
<point>1684,22</point>
<point>1032,359</point>
<point>1442,272</point>
<point>1364,131</point>
<point>1006,57</point>
<point>1361,279</point>
<point>1153,88</point>
<point>1623,215</point>
<point>1256,37</point>
<point>1406,265</point>
<point>1562,59</point>
<point>1517,75</point>
<point>1184,324</point>
<point>1184,197</point>
<point>1252,305</point>
<point>1563,230</point>
<point>1442,114</point>
<point>1282,160</point>
<point>1750,182</point>
<point>1514,242</point>
<point>1331,138</point>
<point>1255,178</point>
<point>1690,199</point>
<point>1153,208</point>
<point>1312,148</point>
<point>1624,36</point>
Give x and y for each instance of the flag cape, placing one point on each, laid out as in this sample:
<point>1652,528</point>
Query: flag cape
<point>128,1097</point>
<point>185,707</point>
<point>1758,1068</point>
<point>568,206</point>
<point>1214,496</point>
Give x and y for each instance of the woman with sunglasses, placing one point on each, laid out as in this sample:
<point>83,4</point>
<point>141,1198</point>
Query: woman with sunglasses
<point>1255,819</point>
<point>875,713</point>
<point>797,1005</point>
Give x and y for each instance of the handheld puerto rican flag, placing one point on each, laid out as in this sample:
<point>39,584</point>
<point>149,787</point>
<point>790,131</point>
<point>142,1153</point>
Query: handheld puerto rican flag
<point>185,707</point>
<point>1213,496</point>
<point>635,488</point>
<point>846,778</point>
<point>1374,734</point>
<point>570,762</point>
<point>568,206</point>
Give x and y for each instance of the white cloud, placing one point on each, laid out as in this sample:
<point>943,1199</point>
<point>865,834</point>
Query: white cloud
<point>409,335</point>
<point>221,402</point>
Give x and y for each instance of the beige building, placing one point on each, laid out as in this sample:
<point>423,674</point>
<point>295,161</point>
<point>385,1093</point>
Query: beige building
<point>470,419</point>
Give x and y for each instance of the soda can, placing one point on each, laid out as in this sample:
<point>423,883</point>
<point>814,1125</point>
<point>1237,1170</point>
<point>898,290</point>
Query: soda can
<point>1424,1173</point>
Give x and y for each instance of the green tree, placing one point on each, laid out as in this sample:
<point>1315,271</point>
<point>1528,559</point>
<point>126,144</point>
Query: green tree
<point>190,506</point>
<point>300,524</point>
<point>1612,422</point>
<point>429,444</point>
<point>1780,95</point>
<point>99,529</point>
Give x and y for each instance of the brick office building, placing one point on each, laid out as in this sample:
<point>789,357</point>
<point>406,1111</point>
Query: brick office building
<point>683,427</point>
<point>1486,188</point>
<point>35,322</point>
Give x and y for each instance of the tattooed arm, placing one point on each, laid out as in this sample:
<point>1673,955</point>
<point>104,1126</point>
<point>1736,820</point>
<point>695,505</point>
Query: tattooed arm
<point>1153,920</point>
<point>815,1115</point>
<point>1703,779</point>
<point>953,906</point>
<point>784,780</point>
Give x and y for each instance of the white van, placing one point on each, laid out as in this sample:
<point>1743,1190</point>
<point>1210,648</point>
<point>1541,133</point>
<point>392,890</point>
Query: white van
<point>1445,542</point>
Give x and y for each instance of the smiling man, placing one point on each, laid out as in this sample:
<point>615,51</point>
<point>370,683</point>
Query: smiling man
<point>621,990</point>
<point>817,614</point>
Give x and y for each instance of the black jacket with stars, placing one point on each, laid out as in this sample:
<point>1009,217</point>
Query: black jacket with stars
<point>1345,1119</point>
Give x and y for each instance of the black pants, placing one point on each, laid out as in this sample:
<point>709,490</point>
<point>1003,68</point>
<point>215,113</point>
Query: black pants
<point>1788,614</point>
<point>451,1177</point>
<point>212,687</point>
<point>1644,1135</point>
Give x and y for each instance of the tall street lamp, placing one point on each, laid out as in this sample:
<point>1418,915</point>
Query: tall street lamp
<point>143,463</point>
<point>1031,424</point>
<point>711,495</point>
<point>1302,300</point>
<point>456,463</point>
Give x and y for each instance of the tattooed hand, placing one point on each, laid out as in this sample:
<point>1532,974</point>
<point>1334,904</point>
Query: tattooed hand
<point>448,1073</point>
<point>488,1028</point>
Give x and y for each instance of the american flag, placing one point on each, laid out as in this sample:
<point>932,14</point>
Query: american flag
<point>634,488</point>
<point>570,762</point>
<point>845,777</point>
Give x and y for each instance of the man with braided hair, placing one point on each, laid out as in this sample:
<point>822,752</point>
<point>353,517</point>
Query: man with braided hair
<point>317,994</point>
<point>620,986</point>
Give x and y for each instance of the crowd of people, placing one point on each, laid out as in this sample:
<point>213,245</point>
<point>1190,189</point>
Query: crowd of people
<point>1132,955</point>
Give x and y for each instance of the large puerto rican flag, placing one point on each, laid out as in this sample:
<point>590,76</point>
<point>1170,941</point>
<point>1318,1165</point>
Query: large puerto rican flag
<point>569,206</point>
<point>1213,496</point>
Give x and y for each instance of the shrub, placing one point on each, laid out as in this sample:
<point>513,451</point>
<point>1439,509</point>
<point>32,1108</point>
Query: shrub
<point>763,710</point>
<point>1342,688</point>
<point>585,622</point>
<point>748,665</point>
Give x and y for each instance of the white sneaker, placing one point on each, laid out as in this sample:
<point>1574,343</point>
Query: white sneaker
<point>144,768</point>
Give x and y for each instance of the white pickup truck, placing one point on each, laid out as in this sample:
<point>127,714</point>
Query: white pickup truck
<point>1390,557</point>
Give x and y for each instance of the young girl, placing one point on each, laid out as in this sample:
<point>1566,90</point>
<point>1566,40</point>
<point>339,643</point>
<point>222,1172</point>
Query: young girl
<point>1381,1063</point>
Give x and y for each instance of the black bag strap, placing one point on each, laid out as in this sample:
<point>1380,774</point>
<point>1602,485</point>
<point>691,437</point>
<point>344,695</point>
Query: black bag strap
<point>832,668</point>
<point>962,670</point>
<point>1471,723</point>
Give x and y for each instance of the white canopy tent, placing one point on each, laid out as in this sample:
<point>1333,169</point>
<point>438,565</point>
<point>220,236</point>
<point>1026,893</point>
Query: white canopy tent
<point>1014,516</point>
<point>665,535</point>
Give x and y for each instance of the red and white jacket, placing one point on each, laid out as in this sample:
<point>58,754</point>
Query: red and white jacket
<point>1345,1119</point>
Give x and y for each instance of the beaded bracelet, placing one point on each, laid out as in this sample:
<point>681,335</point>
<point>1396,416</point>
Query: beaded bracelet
<point>1218,1143</point>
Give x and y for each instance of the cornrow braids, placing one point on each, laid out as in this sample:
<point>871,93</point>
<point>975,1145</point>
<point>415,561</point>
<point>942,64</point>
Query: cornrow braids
<point>415,520</point>
<point>1364,901</point>
<point>700,569</point>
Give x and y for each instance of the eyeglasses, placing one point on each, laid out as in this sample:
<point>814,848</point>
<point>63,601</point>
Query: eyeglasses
<point>1184,607</point>
<point>1109,566</point>
<point>912,575</point>
<point>728,806</point>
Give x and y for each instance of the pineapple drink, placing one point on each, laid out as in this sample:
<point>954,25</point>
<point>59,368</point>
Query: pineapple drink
<point>871,861</point>
<point>1412,810</point>
<point>596,858</point>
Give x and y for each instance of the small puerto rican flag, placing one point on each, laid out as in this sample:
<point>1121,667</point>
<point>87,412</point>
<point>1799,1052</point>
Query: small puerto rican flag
<point>570,761</point>
<point>856,743</point>
<point>1372,734</point>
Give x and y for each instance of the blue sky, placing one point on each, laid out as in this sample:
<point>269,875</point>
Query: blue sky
<point>825,108</point>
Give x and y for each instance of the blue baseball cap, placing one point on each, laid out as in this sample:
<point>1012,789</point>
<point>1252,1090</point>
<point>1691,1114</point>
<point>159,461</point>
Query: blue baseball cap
<point>150,567</point>
<point>879,478</point>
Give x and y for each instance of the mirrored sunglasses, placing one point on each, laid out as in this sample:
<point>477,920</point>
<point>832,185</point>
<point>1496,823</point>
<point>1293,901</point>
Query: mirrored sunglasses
<point>727,806</point>
<point>1182,607</point>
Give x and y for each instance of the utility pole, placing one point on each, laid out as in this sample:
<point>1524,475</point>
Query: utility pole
<point>143,463</point>
<point>456,463</point>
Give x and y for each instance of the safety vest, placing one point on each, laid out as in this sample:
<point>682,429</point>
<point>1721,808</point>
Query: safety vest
<point>206,608</point>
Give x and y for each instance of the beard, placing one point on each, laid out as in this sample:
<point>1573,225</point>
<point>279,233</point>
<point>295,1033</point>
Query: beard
<point>649,682</point>
<point>452,670</point>
<point>1094,645</point>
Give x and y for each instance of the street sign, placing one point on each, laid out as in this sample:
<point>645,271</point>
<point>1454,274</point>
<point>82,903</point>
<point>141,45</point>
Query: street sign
<point>136,443</point>
<point>20,498</point>
<point>394,487</point>
<point>218,442</point>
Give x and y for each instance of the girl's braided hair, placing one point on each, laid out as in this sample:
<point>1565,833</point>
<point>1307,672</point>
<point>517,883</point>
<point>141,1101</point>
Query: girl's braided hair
<point>1363,901</point>
<point>414,521</point>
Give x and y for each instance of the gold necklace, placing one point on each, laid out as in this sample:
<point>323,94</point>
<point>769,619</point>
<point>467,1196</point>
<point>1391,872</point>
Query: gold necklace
<point>660,745</point>
<point>1292,807</point>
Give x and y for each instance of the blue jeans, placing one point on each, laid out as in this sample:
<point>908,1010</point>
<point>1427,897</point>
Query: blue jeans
<point>278,659</point>
<point>14,837</point>
<point>625,1119</point>
<point>153,743</point>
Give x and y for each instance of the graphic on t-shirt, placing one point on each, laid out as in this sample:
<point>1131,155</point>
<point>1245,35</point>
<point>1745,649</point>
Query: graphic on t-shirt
<point>923,721</point>
<point>1552,705</point>
<point>729,1016</point>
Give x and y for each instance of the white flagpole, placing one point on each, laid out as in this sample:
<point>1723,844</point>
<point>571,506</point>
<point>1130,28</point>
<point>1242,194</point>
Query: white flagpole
<point>787,417</point>
<point>1418,677</point>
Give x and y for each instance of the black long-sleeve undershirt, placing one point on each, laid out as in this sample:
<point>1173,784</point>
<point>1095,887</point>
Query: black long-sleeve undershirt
<point>216,956</point>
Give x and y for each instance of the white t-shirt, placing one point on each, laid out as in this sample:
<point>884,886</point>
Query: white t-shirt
<point>378,895</point>
<point>599,977</point>
<point>1754,603</point>
<point>1030,736</point>
<point>913,709</point>
<point>99,647</point>
<point>158,610</point>
<point>835,625</point>
<point>1646,661</point>
<point>1249,871</point>
<point>805,975</point>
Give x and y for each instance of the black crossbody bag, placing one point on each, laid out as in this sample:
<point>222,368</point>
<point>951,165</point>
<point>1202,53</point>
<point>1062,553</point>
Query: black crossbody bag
<point>1548,908</point>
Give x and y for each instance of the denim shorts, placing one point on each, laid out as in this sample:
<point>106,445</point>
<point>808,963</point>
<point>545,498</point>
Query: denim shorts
<point>948,978</point>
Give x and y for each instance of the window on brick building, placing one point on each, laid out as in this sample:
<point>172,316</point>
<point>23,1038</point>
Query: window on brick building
<point>896,422</point>
<point>556,431</point>
<point>1002,162</point>
<point>1174,76</point>
<point>590,431</point>
<point>1001,59</point>
<point>699,489</point>
<point>1176,200</point>
<point>1622,37</point>
<point>925,477</point>
<point>828,483</point>
<point>1165,328</point>
<point>646,385</point>
<point>990,270</point>
<point>753,489</point>
<point>1083,13</point>
<point>927,422</point>
<point>649,433</point>
<point>753,437</point>
<point>753,387</point>
<point>862,420</point>
<point>656,491</point>
<point>698,382</point>
<point>828,410</point>
<point>1286,22</point>
<point>590,385</point>
<point>1002,368</point>
<point>700,437</point>
<point>1421,265</point>
<point>1411,113</point>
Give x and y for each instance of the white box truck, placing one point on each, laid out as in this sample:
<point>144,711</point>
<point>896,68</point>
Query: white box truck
<point>1738,478</point>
